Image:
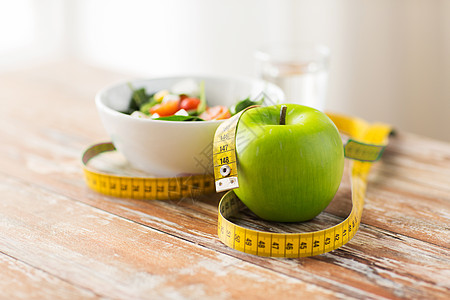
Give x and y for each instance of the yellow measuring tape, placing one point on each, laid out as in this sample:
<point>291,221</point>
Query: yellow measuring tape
<point>365,146</point>
<point>142,187</point>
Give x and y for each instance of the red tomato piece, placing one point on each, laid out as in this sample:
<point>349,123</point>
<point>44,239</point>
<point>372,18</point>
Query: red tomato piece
<point>165,109</point>
<point>189,103</point>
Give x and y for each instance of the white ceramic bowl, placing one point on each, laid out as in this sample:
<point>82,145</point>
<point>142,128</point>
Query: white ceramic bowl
<point>168,148</point>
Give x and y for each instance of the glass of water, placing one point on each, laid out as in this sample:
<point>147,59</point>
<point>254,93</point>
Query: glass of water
<point>301,71</point>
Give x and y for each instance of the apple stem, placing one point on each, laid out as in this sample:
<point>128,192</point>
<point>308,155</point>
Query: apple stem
<point>283,115</point>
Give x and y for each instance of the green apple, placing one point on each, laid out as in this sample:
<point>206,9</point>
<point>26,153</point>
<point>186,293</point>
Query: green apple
<point>288,172</point>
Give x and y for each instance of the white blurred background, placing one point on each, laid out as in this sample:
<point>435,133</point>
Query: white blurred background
<point>390,59</point>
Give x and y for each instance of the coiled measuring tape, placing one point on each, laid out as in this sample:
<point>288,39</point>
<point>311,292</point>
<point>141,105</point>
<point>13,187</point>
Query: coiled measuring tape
<point>142,187</point>
<point>365,146</point>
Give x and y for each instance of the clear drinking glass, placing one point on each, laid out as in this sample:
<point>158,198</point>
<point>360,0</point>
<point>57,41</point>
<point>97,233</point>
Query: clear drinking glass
<point>301,71</point>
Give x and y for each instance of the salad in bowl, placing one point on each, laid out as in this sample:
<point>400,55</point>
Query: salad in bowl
<point>165,126</point>
<point>184,101</point>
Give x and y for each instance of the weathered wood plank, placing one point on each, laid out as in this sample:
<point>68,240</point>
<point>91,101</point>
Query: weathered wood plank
<point>21,281</point>
<point>404,200</point>
<point>114,257</point>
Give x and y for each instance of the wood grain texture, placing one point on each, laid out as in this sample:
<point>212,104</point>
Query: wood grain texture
<point>401,250</point>
<point>21,281</point>
<point>112,256</point>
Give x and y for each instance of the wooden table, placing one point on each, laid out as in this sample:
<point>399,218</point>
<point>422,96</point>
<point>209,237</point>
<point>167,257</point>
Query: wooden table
<point>58,239</point>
